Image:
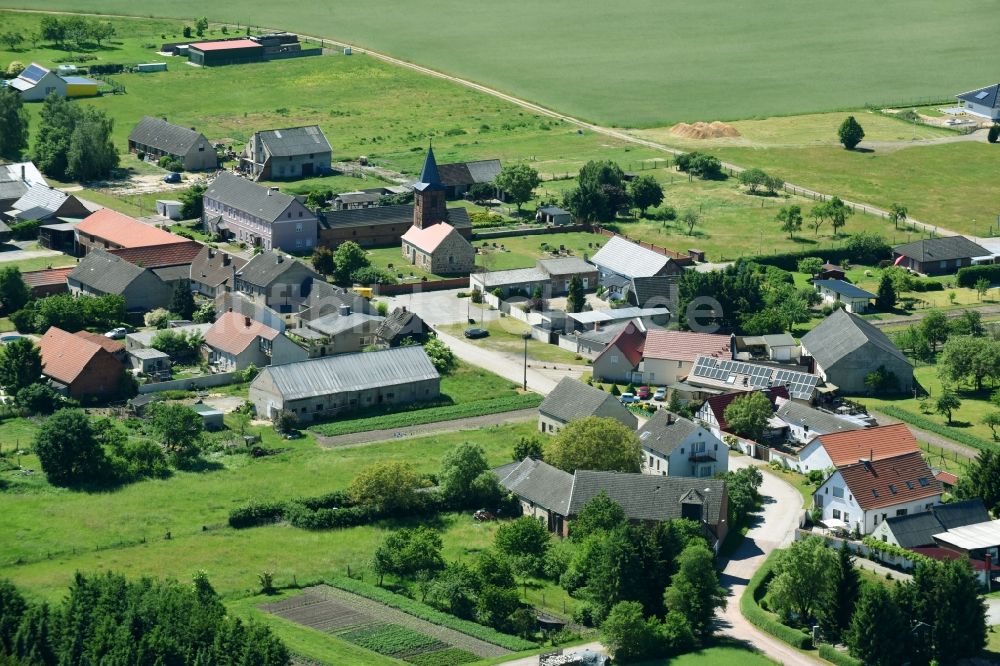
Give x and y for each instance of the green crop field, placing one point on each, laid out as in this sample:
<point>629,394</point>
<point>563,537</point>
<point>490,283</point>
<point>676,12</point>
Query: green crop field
<point>653,61</point>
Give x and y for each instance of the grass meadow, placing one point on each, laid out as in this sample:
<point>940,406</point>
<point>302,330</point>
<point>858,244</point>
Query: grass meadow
<point>657,61</point>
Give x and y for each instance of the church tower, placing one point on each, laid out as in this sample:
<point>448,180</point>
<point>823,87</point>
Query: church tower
<point>429,205</point>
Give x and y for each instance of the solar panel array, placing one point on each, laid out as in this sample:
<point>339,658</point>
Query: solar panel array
<point>748,375</point>
<point>33,73</point>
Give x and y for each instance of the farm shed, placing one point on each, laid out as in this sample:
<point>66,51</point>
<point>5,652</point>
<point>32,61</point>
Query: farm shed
<point>326,387</point>
<point>230,52</point>
<point>151,67</point>
<point>81,86</point>
<point>169,208</point>
<point>211,417</point>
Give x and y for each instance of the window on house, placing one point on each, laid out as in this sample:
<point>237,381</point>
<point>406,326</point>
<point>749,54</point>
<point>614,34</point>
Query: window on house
<point>838,491</point>
<point>298,226</point>
<point>876,519</point>
<point>847,517</point>
<point>836,514</point>
<point>892,489</point>
<point>900,512</point>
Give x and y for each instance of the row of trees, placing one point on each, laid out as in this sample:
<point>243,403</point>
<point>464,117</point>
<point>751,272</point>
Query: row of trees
<point>107,618</point>
<point>601,193</point>
<point>79,31</point>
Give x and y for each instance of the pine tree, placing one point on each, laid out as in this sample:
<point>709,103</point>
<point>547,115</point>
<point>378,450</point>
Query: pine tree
<point>877,631</point>
<point>182,303</point>
<point>840,607</point>
<point>885,300</point>
<point>850,133</point>
<point>575,299</point>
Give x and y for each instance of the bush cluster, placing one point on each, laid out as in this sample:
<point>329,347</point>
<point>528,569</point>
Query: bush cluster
<point>757,616</point>
<point>968,276</point>
<point>835,656</point>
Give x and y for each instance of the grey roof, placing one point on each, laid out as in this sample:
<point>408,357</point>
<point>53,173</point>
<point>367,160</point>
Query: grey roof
<point>654,290</point>
<point>769,340</point>
<point>325,298</point>
<point>291,141</point>
<point>844,288</point>
<point>841,334</point>
<point>430,178</point>
<point>164,136</point>
<point>12,189</point>
<point>538,482</point>
<point>247,196</point>
<point>105,272</point>
<point>662,435</point>
<point>648,497</point>
<point>334,323</point>
<point>39,202</point>
<point>267,268</point>
<point>820,423</point>
<point>988,96</point>
<point>148,353</point>
<point>960,514</point>
<point>572,399</point>
<point>512,276</point>
<point>350,372</point>
<point>552,210</point>
<point>145,338</point>
<point>918,529</point>
<point>566,266</point>
<point>944,248</point>
<point>469,173</point>
<point>214,267</point>
<point>400,321</point>
<point>605,334</point>
<point>629,259</point>
<point>401,214</point>
<point>173,273</point>
<point>15,170</point>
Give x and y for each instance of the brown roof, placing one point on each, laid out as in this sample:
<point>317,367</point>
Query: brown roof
<point>214,267</point>
<point>125,231</point>
<point>718,403</point>
<point>47,277</point>
<point>684,345</point>
<point>232,333</point>
<point>158,256</point>
<point>630,342</point>
<point>846,448</point>
<point>65,356</point>
<point>109,345</point>
<point>890,481</point>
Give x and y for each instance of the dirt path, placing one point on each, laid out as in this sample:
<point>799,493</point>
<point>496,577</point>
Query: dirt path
<point>984,310</point>
<point>408,432</point>
<point>929,437</point>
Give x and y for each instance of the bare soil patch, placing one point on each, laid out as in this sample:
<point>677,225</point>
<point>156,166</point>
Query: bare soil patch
<point>702,130</point>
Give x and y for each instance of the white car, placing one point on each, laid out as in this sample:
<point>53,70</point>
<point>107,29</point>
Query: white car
<point>116,333</point>
<point>628,398</point>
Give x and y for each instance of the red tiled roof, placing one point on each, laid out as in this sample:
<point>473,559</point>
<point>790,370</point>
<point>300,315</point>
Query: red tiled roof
<point>846,448</point>
<point>428,238</point>
<point>64,355</point>
<point>890,481</point>
<point>946,554</point>
<point>684,345</point>
<point>109,345</point>
<point>718,403</point>
<point>220,46</point>
<point>158,256</point>
<point>125,231</point>
<point>630,342</point>
<point>946,478</point>
<point>46,277</point>
<point>232,334</point>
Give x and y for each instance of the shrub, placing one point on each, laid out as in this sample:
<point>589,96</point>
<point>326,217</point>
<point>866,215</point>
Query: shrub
<point>835,656</point>
<point>755,615</point>
<point>968,276</point>
<point>27,230</point>
<point>255,514</point>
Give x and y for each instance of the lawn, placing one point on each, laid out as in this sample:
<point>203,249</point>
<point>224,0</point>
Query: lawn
<point>38,263</point>
<point>698,61</point>
<point>718,655</point>
<point>506,337</point>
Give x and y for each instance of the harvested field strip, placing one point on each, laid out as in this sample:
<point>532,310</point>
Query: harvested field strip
<point>443,658</point>
<point>317,613</point>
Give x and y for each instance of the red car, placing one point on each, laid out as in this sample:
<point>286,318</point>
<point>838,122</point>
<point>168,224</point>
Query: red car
<point>642,393</point>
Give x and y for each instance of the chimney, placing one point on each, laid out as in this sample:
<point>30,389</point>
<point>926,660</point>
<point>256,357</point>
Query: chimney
<point>670,418</point>
<point>269,191</point>
<point>404,308</point>
<point>345,310</point>
<point>281,259</point>
<point>23,177</point>
<point>226,260</point>
<point>246,321</point>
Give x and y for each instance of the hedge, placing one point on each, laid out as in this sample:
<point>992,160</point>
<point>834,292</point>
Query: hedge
<point>892,549</point>
<point>331,511</point>
<point>415,417</point>
<point>835,656</point>
<point>425,612</point>
<point>255,514</point>
<point>968,276</point>
<point>938,429</point>
<point>763,620</point>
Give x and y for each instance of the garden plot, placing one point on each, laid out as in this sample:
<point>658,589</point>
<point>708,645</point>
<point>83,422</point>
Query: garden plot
<point>379,628</point>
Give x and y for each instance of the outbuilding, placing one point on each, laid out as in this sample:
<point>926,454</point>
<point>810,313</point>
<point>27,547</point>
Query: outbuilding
<point>228,52</point>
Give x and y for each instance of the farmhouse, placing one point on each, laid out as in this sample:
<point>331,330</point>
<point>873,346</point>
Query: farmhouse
<point>277,281</point>
<point>78,366</point>
<point>110,230</point>
<point>47,282</point>
<point>460,176</point>
<point>982,102</point>
<point>552,276</point>
<point>35,83</point>
<point>333,385</point>
<point>244,211</point>
<point>855,299</point>
<point>214,271</point>
<point>339,332</point>
<point>572,399</point>
<point>381,226</point>
<point>675,446</point>
<point>556,497</point>
<point>171,263</point>
<point>668,356</point>
<point>44,203</point>
<point>918,529</point>
<point>157,138</point>
<point>805,423</point>
<point>842,447</point>
<point>845,349</point>
<point>938,256</point>
<point>101,273</point>
<point>860,495</point>
<point>236,342</point>
<point>226,52</point>
<point>727,375</point>
<point>291,152</point>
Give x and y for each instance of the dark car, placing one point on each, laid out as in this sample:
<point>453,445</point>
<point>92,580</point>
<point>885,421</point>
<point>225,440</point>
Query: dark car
<point>474,333</point>
<point>172,177</point>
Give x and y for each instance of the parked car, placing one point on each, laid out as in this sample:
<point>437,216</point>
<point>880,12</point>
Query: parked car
<point>643,393</point>
<point>172,177</point>
<point>660,395</point>
<point>475,333</point>
<point>117,333</point>
<point>628,398</point>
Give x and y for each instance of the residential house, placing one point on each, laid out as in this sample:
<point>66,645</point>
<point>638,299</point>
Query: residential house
<point>554,216</point>
<point>245,212</point>
<point>325,298</point>
<point>277,281</point>
<point>827,451</point>
<point>572,399</point>
<point>460,176</point>
<point>845,349</point>
<point>234,301</point>
<point>101,273</point>
<point>156,138</point>
<point>381,226</point>
<point>675,446</point>
<point>235,342</point>
<point>669,356</point>
<point>805,423</point>
<point>861,494</point>
<point>938,256</point>
<point>35,83</point>
<point>80,367</point>
<point>712,414</point>
<point>619,361</point>
<point>855,299</point>
<point>551,276</point>
<point>339,332</point>
<point>287,153</point>
<point>627,260</point>
<point>110,230</point>
<point>401,324</point>
<point>594,319</point>
<point>728,375</point>
<point>592,342</point>
<point>556,497</point>
<point>213,271</point>
<point>777,347</point>
<point>334,385</point>
<point>917,530</point>
<point>47,282</point>
<point>171,263</point>
<point>45,204</point>
<point>982,102</point>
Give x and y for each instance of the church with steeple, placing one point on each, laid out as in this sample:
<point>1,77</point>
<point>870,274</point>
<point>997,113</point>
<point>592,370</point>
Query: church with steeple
<point>432,243</point>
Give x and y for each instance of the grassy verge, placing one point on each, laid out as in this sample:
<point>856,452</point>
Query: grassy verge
<point>835,656</point>
<point>505,336</point>
<point>925,423</point>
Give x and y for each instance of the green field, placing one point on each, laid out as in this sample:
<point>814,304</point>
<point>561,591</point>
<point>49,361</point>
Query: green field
<point>655,62</point>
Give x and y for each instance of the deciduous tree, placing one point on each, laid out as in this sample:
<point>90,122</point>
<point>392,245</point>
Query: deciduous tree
<point>524,541</point>
<point>14,120</point>
<point>645,191</point>
<point>803,579</point>
<point>876,618</point>
<point>595,443</point>
<point>517,182</point>
<point>850,133</point>
<point>20,365</point>
<point>790,218</point>
<point>897,214</point>
<point>347,258</point>
<point>178,427</point>
<point>389,485</point>
<point>68,450</point>
<point>694,590</point>
<point>182,301</point>
<point>946,404</point>
<point>747,415</point>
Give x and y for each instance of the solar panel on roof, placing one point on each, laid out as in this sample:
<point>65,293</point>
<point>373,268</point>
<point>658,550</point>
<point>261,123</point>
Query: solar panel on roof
<point>982,94</point>
<point>33,73</point>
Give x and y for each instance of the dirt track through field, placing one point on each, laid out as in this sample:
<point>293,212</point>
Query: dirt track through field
<point>406,432</point>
